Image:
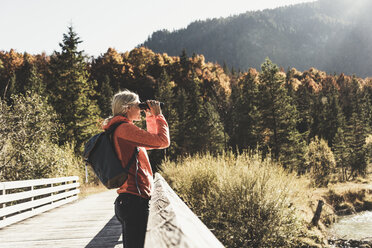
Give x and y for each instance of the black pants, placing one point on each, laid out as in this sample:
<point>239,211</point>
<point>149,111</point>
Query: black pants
<point>132,211</point>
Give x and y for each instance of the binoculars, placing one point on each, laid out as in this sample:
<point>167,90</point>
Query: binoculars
<point>144,105</point>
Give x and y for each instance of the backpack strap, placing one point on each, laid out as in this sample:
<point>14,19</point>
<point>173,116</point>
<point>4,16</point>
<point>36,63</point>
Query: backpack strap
<point>110,131</point>
<point>112,128</point>
<point>132,159</point>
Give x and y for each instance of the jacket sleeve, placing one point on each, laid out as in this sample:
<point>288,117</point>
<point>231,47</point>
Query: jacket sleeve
<point>156,136</point>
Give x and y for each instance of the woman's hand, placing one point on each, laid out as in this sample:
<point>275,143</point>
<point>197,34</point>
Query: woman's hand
<point>154,107</point>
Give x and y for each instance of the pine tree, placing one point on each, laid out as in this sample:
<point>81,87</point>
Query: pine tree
<point>184,62</point>
<point>304,103</point>
<point>225,68</point>
<point>201,129</point>
<point>327,116</point>
<point>365,102</point>
<point>335,119</point>
<point>104,97</point>
<point>354,159</point>
<point>368,93</point>
<point>356,138</point>
<point>279,117</point>
<point>182,138</point>
<point>368,114</point>
<point>164,93</point>
<point>211,130</point>
<point>247,115</point>
<point>318,116</point>
<point>191,123</point>
<point>342,153</point>
<point>358,126</point>
<point>232,124</point>
<point>29,79</point>
<point>71,93</point>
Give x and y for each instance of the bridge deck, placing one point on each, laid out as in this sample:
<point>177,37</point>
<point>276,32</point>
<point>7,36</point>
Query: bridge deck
<point>89,222</point>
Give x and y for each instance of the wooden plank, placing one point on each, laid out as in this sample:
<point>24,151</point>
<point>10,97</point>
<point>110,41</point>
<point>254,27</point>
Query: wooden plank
<point>35,203</point>
<point>172,224</point>
<point>36,182</point>
<point>28,214</point>
<point>37,192</point>
<point>88,222</point>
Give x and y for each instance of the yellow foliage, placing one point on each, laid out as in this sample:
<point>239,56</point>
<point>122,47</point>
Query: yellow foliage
<point>112,56</point>
<point>295,83</point>
<point>11,61</point>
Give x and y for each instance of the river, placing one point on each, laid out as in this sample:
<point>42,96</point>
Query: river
<point>357,227</point>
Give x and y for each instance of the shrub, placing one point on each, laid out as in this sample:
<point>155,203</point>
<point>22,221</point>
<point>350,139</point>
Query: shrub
<point>320,161</point>
<point>28,141</point>
<point>246,202</point>
<point>368,147</point>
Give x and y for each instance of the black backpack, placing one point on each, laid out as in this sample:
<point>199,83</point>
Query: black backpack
<point>99,152</point>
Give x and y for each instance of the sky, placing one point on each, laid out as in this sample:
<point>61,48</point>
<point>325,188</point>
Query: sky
<point>36,26</point>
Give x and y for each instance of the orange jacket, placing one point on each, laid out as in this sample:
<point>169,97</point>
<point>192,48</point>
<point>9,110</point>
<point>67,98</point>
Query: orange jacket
<point>126,138</point>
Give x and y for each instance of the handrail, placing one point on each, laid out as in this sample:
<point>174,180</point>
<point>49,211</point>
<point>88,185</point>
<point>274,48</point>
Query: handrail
<point>23,199</point>
<point>172,224</point>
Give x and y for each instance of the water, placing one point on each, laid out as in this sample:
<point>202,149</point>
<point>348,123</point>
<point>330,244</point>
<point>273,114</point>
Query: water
<point>358,227</point>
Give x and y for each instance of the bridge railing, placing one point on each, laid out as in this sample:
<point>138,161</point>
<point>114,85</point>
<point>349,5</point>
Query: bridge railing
<point>23,199</point>
<point>172,224</point>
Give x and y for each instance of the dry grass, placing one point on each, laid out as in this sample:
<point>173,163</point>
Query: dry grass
<point>246,201</point>
<point>89,189</point>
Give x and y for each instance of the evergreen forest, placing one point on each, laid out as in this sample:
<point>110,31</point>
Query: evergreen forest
<point>307,121</point>
<point>332,36</point>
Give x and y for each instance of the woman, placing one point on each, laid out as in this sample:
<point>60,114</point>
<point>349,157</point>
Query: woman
<point>132,204</point>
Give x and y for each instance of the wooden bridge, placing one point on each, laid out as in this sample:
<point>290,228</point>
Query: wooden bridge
<point>90,223</point>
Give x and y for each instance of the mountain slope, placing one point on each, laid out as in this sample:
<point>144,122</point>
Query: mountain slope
<point>334,36</point>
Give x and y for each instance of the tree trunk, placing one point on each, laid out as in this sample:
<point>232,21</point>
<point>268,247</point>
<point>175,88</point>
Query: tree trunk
<point>318,211</point>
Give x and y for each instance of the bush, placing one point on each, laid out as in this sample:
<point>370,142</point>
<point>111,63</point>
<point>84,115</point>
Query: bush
<point>246,202</point>
<point>320,161</point>
<point>368,147</point>
<point>28,141</point>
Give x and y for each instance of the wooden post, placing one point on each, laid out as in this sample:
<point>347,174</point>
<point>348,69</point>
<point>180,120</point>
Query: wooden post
<point>3,204</point>
<point>32,198</point>
<point>318,211</point>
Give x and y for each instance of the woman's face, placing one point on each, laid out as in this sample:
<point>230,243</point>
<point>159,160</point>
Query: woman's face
<point>134,113</point>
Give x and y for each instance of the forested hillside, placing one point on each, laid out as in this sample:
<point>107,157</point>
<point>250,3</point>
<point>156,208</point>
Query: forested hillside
<point>333,36</point>
<point>296,118</point>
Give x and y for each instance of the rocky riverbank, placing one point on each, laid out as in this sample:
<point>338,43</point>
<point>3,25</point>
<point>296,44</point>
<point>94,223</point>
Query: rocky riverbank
<point>344,243</point>
<point>340,199</point>
<point>343,201</point>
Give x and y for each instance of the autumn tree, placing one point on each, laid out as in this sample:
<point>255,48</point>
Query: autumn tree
<point>111,65</point>
<point>10,62</point>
